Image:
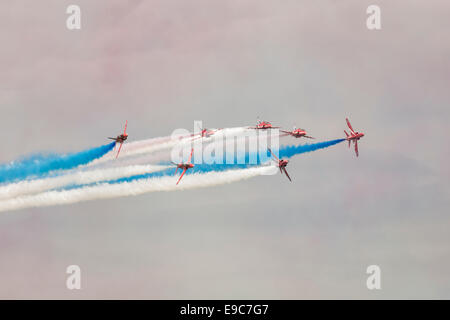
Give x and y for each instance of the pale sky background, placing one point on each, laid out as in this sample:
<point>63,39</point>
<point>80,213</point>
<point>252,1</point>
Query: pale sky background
<point>162,65</point>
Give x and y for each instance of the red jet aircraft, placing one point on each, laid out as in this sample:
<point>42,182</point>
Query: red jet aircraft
<point>184,166</point>
<point>281,164</point>
<point>206,133</point>
<point>297,133</point>
<point>262,125</point>
<point>121,138</point>
<point>353,136</point>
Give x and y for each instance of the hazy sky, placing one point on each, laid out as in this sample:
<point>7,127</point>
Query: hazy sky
<point>163,64</point>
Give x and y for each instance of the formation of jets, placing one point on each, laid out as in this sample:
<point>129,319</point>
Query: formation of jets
<point>261,125</point>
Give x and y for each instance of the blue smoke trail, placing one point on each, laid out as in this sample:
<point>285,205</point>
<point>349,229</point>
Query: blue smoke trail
<point>289,151</point>
<point>40,165</point>
<point>284,152</point>
<point>256,158</point>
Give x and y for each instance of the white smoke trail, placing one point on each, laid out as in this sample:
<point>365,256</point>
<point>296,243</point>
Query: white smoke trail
<point>170,142</point>
<point>133,188</point>
<point>132,161</point>
<point>162,151</point>
<point>163,143</point>
<point>75,177</point>
<point>131,148</point>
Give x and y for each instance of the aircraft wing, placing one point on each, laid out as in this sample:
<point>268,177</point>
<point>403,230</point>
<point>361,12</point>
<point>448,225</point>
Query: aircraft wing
<point>356,148</point>
<point>125,130</point>
<point>349,125</point>
<point>287,175</point>
<point>182,174</point>
<point>273,154</point>
<point>309,137</point>
<point>119,149</point>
